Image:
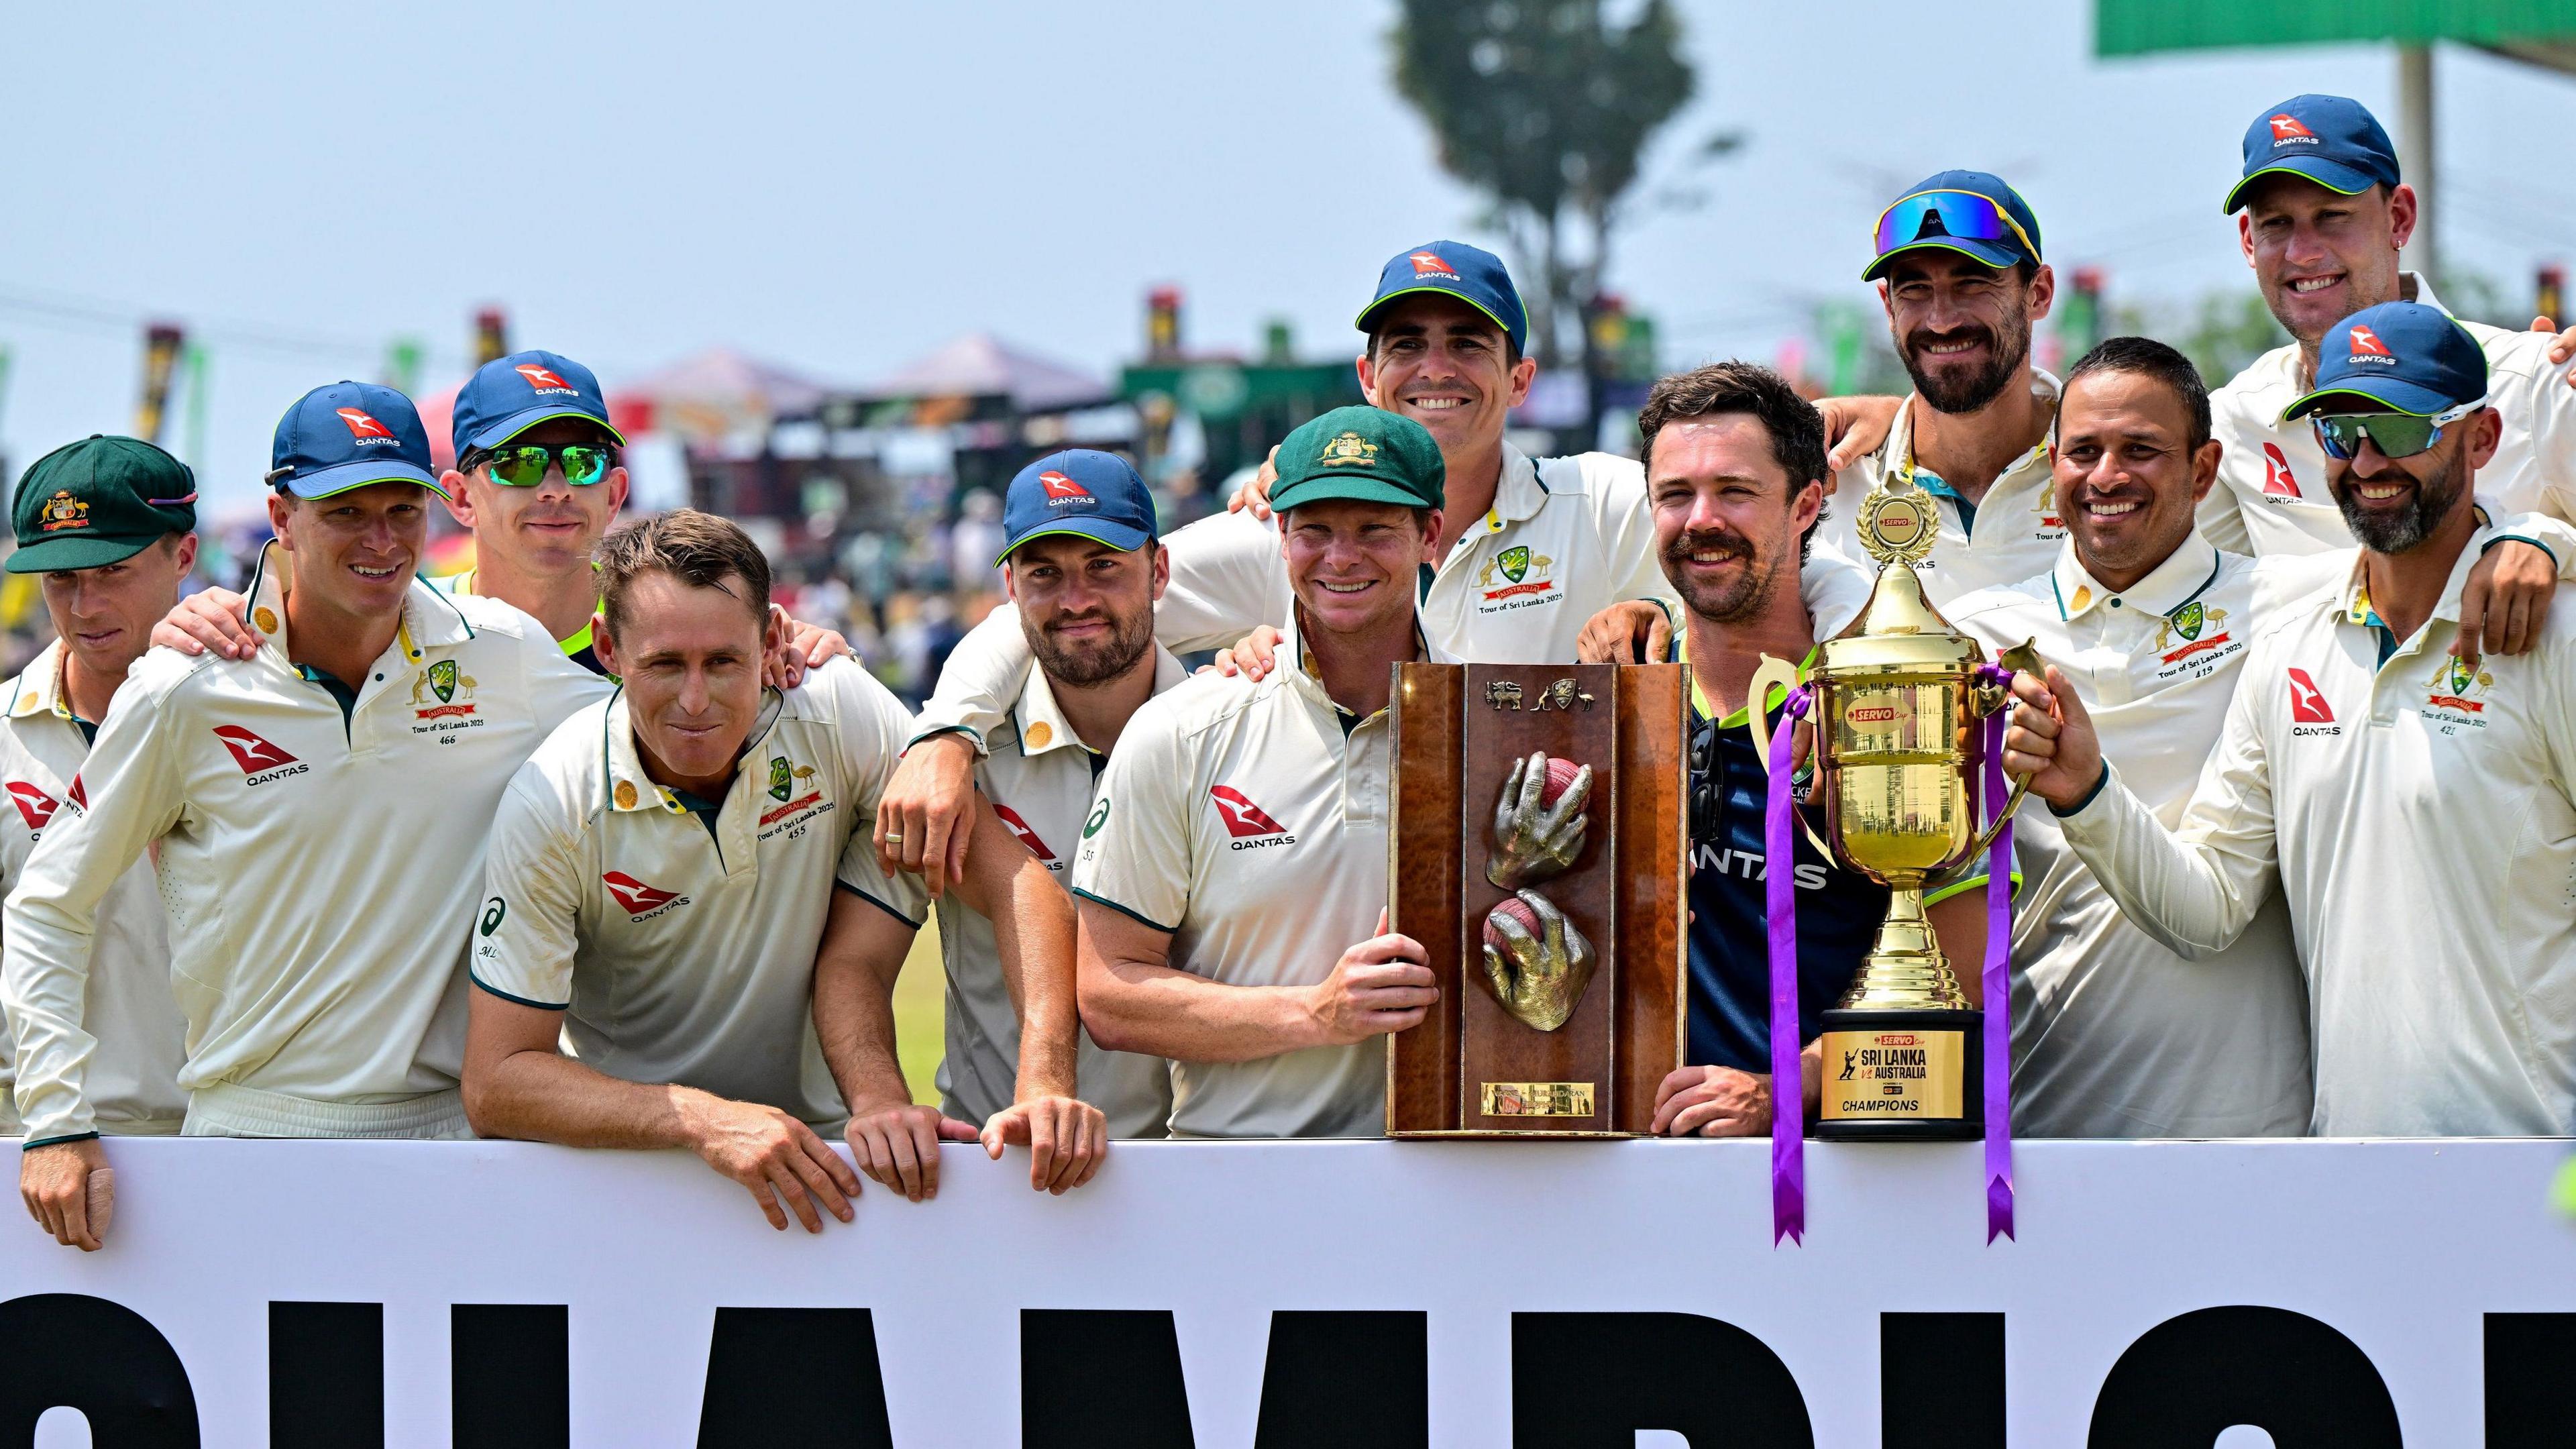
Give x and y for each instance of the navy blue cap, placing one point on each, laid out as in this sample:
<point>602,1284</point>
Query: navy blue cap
<point>2402,355</point>
<point>349,435</point>
<point>1080,491</point>
<point>509,395</point>
<point>1470,274</point>
<point>2019,243</point>
<point>2335,142</point>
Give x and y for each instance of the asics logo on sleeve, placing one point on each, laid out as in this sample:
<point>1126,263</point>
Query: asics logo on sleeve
<point>259,760</point>
<point>642,902</point>
<point>34,806</point>
<point>2308,704</point>
<point>1249,824</point>
<point>1012,822</point>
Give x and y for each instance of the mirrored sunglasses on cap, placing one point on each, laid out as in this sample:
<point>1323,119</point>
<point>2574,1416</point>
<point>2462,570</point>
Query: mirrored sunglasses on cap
<point>2395,435</point>
<point>524,465</point>
<point>1964,214</point>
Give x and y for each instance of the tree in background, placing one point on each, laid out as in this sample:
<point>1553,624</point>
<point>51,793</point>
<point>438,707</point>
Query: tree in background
<point>1547,106</point>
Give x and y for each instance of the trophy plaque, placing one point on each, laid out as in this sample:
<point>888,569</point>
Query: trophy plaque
<point>1535,850</point>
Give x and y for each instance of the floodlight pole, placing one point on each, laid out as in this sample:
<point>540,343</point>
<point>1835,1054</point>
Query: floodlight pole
<point>2416,154</point>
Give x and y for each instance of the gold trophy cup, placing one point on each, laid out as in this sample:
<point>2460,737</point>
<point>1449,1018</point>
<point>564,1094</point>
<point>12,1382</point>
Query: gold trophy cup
<point>1898,704</point>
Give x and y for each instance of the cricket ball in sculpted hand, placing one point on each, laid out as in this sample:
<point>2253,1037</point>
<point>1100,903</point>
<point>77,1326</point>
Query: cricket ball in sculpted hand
<point>1560,778</point>
<point>1518,910</point>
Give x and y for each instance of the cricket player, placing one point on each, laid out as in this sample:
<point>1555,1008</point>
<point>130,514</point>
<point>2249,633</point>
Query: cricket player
<point>2416,807</point>
<point>1081,561</point>
<point>2321,213</point>
<point>658,888</point>
<point>1735,473</point>
<point>317,813</point>
<point>2114,1035</point>
<point>108,525</point>
<point>1529,549</point>
<point>539,477</point>
<point>1232,878</point>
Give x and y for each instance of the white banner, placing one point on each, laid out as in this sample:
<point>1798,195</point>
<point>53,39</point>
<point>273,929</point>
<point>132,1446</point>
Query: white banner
<point>1304,1293</point>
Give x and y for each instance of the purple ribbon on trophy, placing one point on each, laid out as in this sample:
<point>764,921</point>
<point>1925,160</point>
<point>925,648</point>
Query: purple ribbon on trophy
<point>1780,897</point>
<point>1997,974</point>
<point>1788,1115</point>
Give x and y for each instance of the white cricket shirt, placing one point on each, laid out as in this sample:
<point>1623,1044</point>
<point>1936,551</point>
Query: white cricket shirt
<point>2113,1034</point>
<point>320,871</point>
<point>1245,820</point>
<point>1043,781</point>
<point>2271,495</point>
<point>2012,535</point>
<point>1565,539</point>
<point>2420,818</point>
<point>681,948</point>
<point>133,1074</point>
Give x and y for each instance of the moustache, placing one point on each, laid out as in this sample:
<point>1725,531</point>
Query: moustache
<point>1733,545</point>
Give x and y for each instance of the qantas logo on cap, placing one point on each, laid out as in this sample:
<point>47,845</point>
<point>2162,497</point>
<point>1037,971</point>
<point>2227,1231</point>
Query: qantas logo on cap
<point>2278,480</point>
<point>542,379</point>
<point>34,806</point>
<point>259,759</point>
<point>2366,347</point>
<point>1011,821</point>
<point>2308,706</point>
<point>641,901</point>
<point>1428,264</point>
<point>1249,824</point>
<point>1061,490</point>
<point>364,427</point>
<point>2287,130</point>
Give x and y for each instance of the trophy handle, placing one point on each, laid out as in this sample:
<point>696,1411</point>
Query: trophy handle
<point>1776,672</point>
<point>2022,658</point>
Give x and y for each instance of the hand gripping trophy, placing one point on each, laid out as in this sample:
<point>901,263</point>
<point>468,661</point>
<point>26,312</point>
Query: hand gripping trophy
<point>1908,717</point>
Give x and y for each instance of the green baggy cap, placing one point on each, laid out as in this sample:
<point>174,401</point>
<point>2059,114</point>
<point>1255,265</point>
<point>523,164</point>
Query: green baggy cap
<point>99,501</point>
<point>1361,453</point>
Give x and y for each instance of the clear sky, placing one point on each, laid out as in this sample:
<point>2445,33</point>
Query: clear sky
<point>842,187</point>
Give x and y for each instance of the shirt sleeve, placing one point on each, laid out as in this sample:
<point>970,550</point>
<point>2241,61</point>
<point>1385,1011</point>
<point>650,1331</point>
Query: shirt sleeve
<point>1135,856</point>
<point>2552,536</point>
<point>874,727</point>
<point>1628,539</point>
<point>529,925</point>
<point>984,673</point>
<point>131,781</point>
<point>2193,890</point>
<point>557,687</point>
<point>1227,579</point>
<point>2222,519</point>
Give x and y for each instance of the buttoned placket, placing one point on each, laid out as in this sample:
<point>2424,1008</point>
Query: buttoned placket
<point>1518,496</point>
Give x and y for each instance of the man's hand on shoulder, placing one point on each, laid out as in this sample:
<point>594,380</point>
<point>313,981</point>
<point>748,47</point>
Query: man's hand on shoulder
<point>922,818</point>
<point>897,1143</point>
<point>2504,599</point>
<point>213,619</point>
<point>1255,495</point>
<point>774,1156</point>
<point>1252,655</point>
<point>1855,426</point>
<point>1067,1138</point>
<point>69,1190</point>
<point>802,647</point>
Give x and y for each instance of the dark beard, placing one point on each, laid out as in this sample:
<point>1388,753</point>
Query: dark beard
<point>1954,394</point>
<point>1746,598</point>
<point>2434,499</point>
<point>1082,668</point>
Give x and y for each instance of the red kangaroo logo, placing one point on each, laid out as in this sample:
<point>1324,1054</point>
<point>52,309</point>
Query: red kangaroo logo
<point>251,752</point>
<point>635,895</point>
<point>1011,821</point>
<point>1243,819</point>
<point>2307,702</point>
<point>34,806</point>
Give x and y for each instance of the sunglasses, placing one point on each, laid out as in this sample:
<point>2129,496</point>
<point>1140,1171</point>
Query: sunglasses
<point>1964,215</point>
<point>524,465</point>
<point>2395,435</point>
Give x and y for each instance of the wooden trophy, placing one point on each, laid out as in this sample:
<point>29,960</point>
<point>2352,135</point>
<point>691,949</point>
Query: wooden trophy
<point>1536,853</point>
